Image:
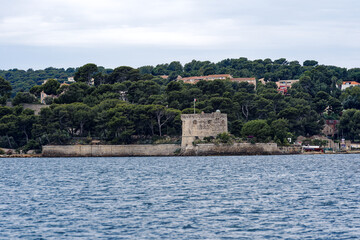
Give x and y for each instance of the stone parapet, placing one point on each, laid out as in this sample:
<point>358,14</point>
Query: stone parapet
<point>109,150</point>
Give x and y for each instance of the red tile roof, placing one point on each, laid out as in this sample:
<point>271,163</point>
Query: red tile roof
<point>243,79</point>
<point>218,76</point>
<point>351,83</point>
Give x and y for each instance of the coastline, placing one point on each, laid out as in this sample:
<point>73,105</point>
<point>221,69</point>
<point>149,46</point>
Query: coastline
<point>179,155</point>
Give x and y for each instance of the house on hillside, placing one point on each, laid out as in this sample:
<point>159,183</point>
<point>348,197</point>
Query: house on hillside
<point>347,84</point>
<point>248,80</point>
<point>331,127</point>
<point>262,80</point>
<point>43,95</point>
<point>195,79</point>
<point>284,85</point>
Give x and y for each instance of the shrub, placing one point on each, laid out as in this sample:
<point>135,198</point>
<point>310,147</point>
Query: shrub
<point>258,129</point>
<point>225,138</point>
<point>31,145</point>
<point>208,139</point>
<point>177,151</point>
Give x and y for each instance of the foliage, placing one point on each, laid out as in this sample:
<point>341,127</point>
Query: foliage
<point>5,90</point>
<point>225,138</point>
<point>315,142</point>
<point>23,97</point>
<point>31,145</point>
<point>350,124</point>
<point>86,73</point>
<point>51,87</point>
<point>22,80</point>
<point>258,129</point>
<point>128,105</point>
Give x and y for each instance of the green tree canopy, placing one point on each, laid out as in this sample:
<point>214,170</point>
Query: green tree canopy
<point>23,97</point>
<point>51,87</point>
<point>258,129</point>
<point>86,73</point>
<point>5,90</point>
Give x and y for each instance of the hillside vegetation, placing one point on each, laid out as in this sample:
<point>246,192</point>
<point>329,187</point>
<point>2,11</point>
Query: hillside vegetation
<point>127,105</point>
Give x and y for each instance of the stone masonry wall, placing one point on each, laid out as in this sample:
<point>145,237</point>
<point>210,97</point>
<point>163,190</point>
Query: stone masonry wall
<point>109,150</point>
<point>202,125</point>
<point>234,149</point>
<point>165,150</point>
<point>33,106</point>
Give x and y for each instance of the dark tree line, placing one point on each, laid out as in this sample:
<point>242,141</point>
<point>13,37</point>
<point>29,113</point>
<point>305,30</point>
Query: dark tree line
<point>128,105</point>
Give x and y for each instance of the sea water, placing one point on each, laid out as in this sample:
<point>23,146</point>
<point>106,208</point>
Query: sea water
<point>232,197</point>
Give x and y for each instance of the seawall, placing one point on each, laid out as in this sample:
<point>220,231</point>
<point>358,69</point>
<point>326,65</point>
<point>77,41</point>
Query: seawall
<point>109,150</point>
<point>234,149</point>
<point>165,150</point>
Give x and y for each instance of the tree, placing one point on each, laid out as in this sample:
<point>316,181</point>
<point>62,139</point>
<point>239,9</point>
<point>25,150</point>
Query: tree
<point>8,127</point>
<point>172,77</point>
<point>140,91</point>
<point>51,86</point>
<point>86,73</point>
<point>246,102</point>
<point>122,74</point>
<point>235,127</point>
<point>310,63</point>
<point>23,97</point>
<point>5,90</point>
<point>25,121</point>
<point>36,90</point>
<point>175,67</point>
<point>258,129</point>
<point>72,93</point>
<point>121,128</point>
<point>307,85</point>
<point>280,130</point>
<point>173,86</point>
<point>221,103</point>
<point>163,115</point>
<point>74,118</point>
<point>334,105</point>
<point>350,124</point>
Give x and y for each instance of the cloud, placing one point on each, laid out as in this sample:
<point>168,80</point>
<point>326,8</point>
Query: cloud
<point>210,25</point>
<point>172,23</point>
<point>74,23</point>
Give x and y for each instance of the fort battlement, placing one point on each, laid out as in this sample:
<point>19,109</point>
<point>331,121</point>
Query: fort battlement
<point>198,126</point>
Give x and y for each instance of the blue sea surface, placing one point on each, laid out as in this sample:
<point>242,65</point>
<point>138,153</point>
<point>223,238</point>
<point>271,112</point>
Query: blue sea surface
<point>232,197</point>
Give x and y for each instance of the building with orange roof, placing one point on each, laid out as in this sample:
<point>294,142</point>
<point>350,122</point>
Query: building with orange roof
<point>195,79</point>
<point>248,80</point>
<point>347,84</point>
<point>284,85</point>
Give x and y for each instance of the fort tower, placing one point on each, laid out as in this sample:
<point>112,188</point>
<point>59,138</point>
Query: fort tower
<point>198,126</point>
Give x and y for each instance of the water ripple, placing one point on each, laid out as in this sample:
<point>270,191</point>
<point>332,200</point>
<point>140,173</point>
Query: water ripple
<point>257,197</point>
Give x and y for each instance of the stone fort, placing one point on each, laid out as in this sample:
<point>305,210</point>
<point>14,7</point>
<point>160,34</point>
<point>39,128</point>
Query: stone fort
<point>198,126</point>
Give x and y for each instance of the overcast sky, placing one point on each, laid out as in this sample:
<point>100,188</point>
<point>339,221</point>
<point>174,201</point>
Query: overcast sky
<point>70,33</point>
